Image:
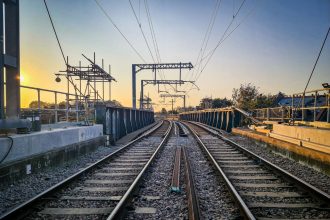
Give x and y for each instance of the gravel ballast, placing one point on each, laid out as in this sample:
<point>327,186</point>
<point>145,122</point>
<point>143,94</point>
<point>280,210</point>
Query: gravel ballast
<point>35,183</point>
<point>155,192</point>
<point>304,172</point>
<point>214,199</point>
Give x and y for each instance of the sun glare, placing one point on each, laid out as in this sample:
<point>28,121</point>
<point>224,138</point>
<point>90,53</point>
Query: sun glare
<point>21,78</point>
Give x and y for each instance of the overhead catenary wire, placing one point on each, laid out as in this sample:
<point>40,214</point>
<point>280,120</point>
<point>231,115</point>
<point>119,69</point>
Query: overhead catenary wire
<point>117,28</point>
<point>223,38</point>
<point>311,74</point>
<point>206,38</point>
<point>211,28</point>
<point>142,32</point>
<point>58,41</point>
<point>153,35</point>
<point>317,60</point>
<point>154,41</point>
<point>203,47</point>
<point>60,46</point>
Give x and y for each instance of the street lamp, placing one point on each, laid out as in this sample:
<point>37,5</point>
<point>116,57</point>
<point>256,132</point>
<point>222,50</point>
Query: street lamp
<point>325,85</point>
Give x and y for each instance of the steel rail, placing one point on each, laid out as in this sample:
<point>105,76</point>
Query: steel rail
<point>118,210</point>
<point>193,203</point>
<point>313,191</point>
<point>182,131</point>
<point>175,183</point>
<point>19,210</point>
<point>242,205</point>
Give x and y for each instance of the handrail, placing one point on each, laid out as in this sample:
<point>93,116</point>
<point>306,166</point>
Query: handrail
<point>67,109</point>
<point>248,115</point>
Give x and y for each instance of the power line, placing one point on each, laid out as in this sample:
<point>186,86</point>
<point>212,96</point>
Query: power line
<point>205,41</point>
<point>117,28</point>
<point>210,54</point>
<point>227,36</point>
<point>310,76</point>
<point>206,38</point>
<point>317,60</point>
<point>154,41</point>
<point>58,41</point>
<point>213,21</point>
<point>153,35</point>
<point>223,37</point>
<point>139,24</point>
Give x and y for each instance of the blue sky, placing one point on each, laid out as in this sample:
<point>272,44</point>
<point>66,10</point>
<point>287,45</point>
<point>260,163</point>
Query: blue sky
<point>274,48</point>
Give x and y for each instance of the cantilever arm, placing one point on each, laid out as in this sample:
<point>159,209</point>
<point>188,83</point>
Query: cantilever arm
<point>99,68</point>
<point>195,85</point>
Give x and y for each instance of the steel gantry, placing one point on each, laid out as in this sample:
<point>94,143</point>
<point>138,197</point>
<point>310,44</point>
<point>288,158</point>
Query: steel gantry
<point>92,74</point>
<point>154,67</point>
<point>175,96</point>
<point>159,82</point>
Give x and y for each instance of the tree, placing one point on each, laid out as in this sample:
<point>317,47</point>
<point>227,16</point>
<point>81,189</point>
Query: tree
<point>163,111</point>
<point>206,103</point>
<point>117,103</point>
<point>34,104</point>
<point>248,97</point>
<point>265,101</point>
<point>245,97</point>
<point>62,105</point>
<point>221,103</point>
<point>113,103</point>
<point>174,112</point>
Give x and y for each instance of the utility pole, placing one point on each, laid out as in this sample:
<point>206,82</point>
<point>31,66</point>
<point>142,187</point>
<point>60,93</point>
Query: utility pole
<point>172,106</point>
<point>10,64</point>
<point>110,84</point>
<point>9,35</point>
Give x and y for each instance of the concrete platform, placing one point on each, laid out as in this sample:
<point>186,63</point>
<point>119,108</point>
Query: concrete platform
<point>32,152</point>
<point>53,146</point>
<point>318,152</point>
<point>27,145</point>
<point>313,135</point>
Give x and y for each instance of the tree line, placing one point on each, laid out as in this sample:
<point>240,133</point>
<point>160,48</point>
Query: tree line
<point>246,97</point>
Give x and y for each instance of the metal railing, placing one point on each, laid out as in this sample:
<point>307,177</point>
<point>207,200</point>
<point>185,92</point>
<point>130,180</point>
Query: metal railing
<point>75,112</point>
<point>304,107</point>
<point>273,114</point>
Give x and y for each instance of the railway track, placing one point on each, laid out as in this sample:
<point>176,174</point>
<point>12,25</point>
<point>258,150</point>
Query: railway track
<point>181,153</point>
<point>168,189</point>
<point>261,189</point>
<point>102,190</point>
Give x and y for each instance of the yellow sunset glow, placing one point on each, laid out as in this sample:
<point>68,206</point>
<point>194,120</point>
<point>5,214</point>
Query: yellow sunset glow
<point>22,78</point>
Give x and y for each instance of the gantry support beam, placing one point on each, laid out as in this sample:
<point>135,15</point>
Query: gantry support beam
<point>138,67</point>
<point>166,82</point>
<point>159,82</point>
<point>167,66</point>
<point>175,96</point>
